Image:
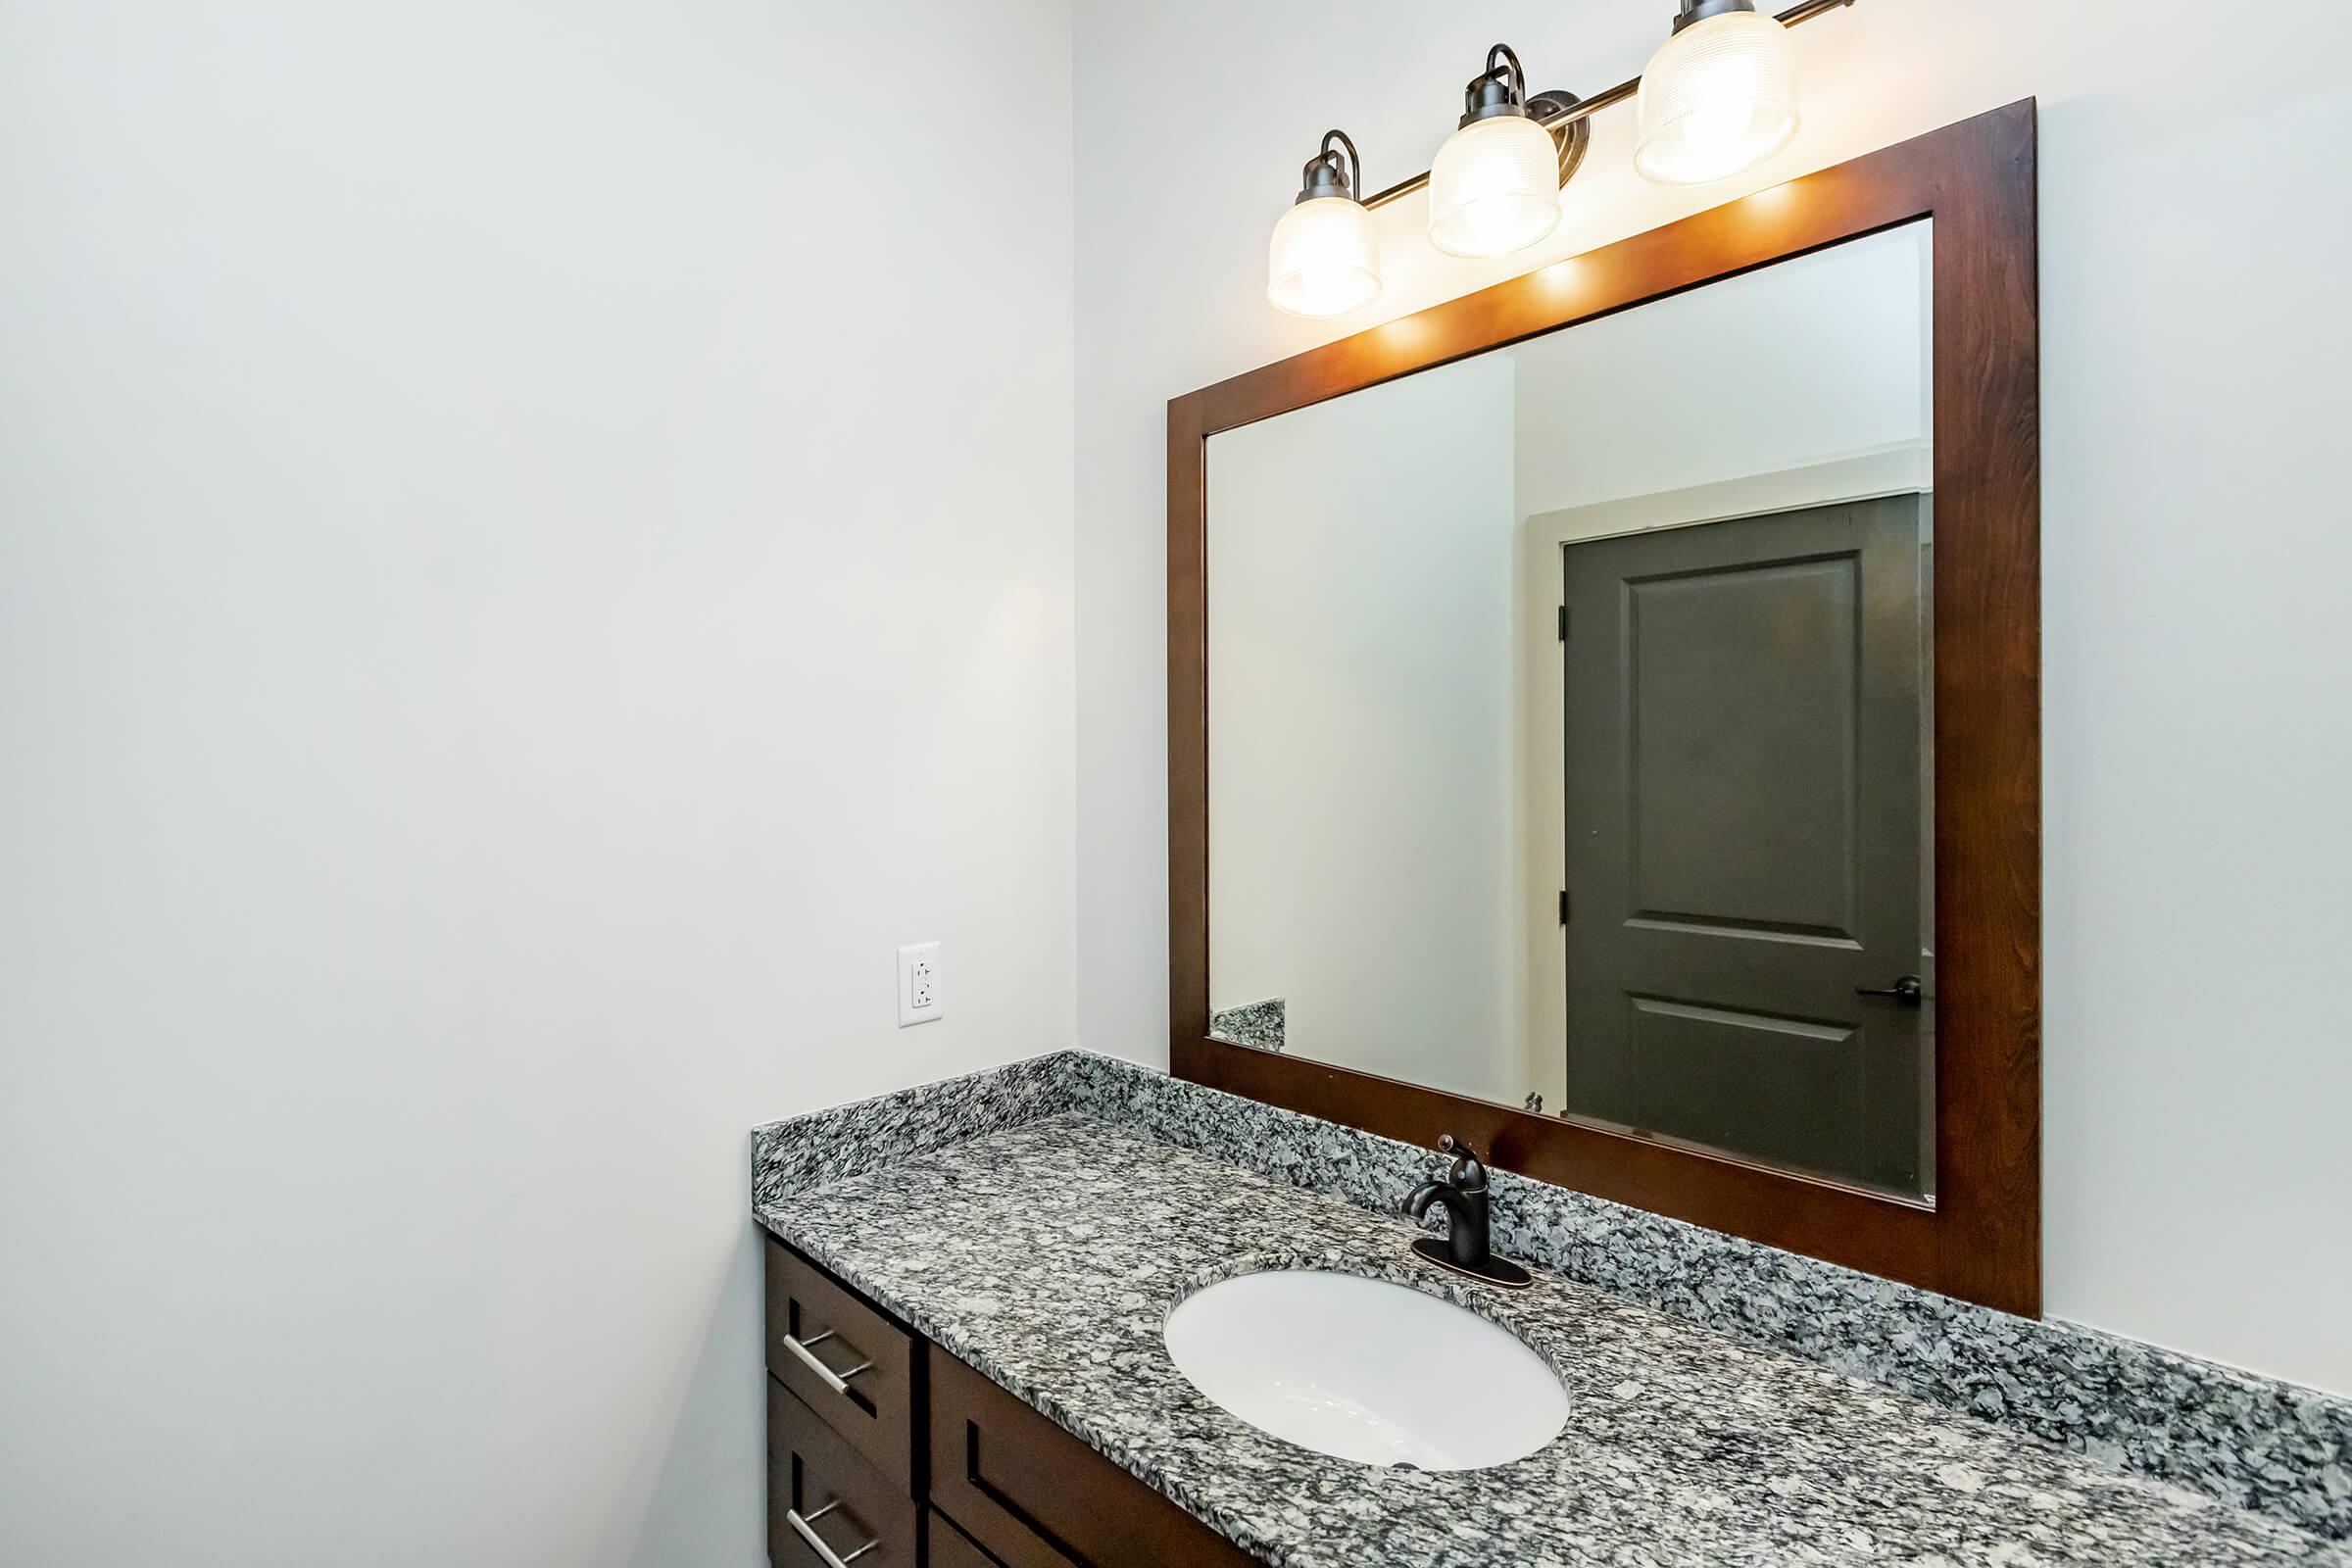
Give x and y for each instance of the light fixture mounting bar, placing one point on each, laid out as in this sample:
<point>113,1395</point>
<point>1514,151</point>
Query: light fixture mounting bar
<point>1585,108</point>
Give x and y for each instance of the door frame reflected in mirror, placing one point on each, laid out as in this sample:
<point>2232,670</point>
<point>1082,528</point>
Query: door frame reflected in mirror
<point>1982,1241</point>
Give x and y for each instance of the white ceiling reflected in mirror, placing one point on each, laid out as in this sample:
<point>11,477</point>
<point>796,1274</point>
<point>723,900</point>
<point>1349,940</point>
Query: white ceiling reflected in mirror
<point>1569,717</point>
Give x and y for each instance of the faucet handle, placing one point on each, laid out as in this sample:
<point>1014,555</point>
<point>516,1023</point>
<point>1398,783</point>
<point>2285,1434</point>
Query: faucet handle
<point>1469,1171</point>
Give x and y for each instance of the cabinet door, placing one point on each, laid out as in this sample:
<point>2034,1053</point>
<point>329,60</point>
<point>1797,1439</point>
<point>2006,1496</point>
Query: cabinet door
<point>950,1547</point>
<point>1037,1497</point>
<point>851,1364</point>
<point>825,1503</point>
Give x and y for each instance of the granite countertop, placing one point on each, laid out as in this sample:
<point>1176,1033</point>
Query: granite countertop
<point>1049,1254</point>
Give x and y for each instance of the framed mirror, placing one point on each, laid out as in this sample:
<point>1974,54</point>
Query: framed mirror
<point>1604,720</point>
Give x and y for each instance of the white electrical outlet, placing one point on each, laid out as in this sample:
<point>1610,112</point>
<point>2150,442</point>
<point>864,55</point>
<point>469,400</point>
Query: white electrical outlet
<point>918,984</point>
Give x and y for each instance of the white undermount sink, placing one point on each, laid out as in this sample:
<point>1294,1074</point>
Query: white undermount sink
<point>1365,1370</point>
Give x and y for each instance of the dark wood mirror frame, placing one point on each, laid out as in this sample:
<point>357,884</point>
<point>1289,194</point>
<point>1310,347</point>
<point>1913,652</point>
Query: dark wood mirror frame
<point>1982,1239</point>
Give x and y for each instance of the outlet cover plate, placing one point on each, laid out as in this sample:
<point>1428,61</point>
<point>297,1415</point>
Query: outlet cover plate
<point>919,998</point>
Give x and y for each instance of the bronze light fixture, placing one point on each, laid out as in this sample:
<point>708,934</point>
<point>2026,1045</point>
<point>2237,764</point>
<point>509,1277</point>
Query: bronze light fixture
<point>1718,98</point>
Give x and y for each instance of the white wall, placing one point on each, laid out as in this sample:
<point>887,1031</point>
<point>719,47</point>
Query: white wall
<point>534,548</point>
<point>1363,637</point>
<point>2196,730</point>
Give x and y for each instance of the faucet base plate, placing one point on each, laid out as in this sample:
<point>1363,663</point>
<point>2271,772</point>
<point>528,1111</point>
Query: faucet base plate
<point>1498,1270</point>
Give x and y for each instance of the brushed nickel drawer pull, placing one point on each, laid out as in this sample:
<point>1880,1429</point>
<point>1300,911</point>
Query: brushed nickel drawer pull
<point>808,1532</point>
<point>838,1382</point>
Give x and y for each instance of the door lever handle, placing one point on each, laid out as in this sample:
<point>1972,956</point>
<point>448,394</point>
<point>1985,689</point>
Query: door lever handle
<point>1907,991</point>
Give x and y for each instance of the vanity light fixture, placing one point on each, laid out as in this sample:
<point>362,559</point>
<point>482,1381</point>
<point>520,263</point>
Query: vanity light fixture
<point>1325,256</point>
<point>1720,97</point>
<point>1496,185</point>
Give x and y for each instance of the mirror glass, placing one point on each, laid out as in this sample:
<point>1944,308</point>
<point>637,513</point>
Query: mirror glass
<point>1569,722</point>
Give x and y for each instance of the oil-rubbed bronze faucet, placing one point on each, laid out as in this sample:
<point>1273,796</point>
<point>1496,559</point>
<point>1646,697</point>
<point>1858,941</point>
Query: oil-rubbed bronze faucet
<point>1467,1247</point>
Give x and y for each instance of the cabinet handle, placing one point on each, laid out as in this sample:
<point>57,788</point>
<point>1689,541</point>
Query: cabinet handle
<point>808,1532</point>
<point>838,1382</point>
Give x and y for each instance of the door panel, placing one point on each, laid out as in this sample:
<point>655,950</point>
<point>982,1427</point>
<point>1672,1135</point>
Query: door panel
<point>1741,738</point>
<point>1786,1089</point>
<point>1745,800</point>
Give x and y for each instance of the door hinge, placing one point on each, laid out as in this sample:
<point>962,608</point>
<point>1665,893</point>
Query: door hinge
<point>1564,624</point>
<point>1563,906</point>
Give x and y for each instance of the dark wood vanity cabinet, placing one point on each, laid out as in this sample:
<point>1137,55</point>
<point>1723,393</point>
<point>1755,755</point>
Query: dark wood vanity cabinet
<point>823,1496</point>
<point>1037,1497</point>
<point>886,1451</point>
<point>950,1547</point>
<point>850,1362</point>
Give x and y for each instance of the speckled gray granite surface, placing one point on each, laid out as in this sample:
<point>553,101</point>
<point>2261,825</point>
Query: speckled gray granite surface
<point>890,1129</point>
<point>2281,1450</point>
<point>1262,1024</point>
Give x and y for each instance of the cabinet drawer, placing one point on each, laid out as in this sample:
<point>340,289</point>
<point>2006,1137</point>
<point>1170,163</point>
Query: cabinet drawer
<point>950,1547</point>
<point>851,1365</point>
<point>1034,1496</point>
<point>824,1497</point>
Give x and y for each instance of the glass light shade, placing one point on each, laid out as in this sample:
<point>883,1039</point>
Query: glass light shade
<point>1495,187</point>
<point>1324,259</point>
<point>1720,97</point>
